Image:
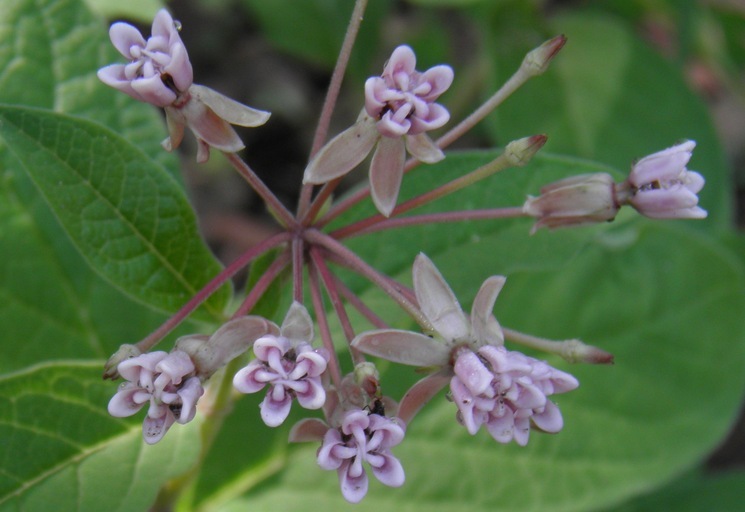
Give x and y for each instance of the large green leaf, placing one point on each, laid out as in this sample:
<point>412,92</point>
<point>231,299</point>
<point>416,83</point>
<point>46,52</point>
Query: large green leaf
<point>127,216</point>
<point>721,492</point>
<point>631,427</point>
<point>62,450</point>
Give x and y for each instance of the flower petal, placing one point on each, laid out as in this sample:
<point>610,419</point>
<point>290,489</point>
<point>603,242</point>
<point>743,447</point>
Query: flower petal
<point>404,347</point>
<point>386,172</point>
<point>297,325</point>
<point>438,302</point>
<point>275,412</point>
<point>486,329</point>
<point>228,109</point>
<point>153,429</point>
<point>124,36</point>
<point>343,153</point>
<point>391,472</point>
<point>352,488</point>
<point>423,148</point>
<point>308,429</point>
<point>421,393</point>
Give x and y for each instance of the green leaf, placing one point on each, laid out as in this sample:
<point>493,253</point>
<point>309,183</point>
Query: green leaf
<point>610,98</point>
<point>721,491</point>
<point>140,10</point>
<point>61,449</point>
<point>668,400</point>
<point>127,216</point>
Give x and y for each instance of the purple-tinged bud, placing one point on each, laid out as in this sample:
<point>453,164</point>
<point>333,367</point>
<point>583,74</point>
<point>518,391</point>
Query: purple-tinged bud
<point>537,60</point>
<point>660,186</point>
<point>578,200</point>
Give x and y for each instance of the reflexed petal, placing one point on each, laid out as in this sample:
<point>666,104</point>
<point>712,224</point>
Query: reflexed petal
<point>124,36</point>
<point>228,109</point>
<point>153,429</point>
<point>486,329</point>
<point>275,412</point>
<point>438,301</point>
<point>308,429</point>
<point>386,172</point>
<point>210,127</point>
<point>342,153</point>
<point>404,347</point>
<point>176,123</point>
<point>228,342</point>
<point>297,325</point>
<point>423,148</point>
<point>421,393</point>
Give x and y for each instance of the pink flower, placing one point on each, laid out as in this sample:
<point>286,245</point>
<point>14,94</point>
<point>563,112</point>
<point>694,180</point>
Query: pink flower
<point>159,69</point>
<point>490,385</point>
<point>399,108</point>
<point>289,366</point>
<point>165,381</point>
<point>360,437</point>
<point>506,391</point>
<point>661,187</point>
<point>402,100</point>
<point>159,73</point>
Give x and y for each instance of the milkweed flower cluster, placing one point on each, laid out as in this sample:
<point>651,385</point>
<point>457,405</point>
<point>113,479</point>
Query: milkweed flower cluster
<point>492,386</point>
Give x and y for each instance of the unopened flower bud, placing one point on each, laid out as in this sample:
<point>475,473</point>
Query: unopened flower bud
<point>521,151</point>
<point>537,60</point>
<point>583,199</point>
<point>125,352</point>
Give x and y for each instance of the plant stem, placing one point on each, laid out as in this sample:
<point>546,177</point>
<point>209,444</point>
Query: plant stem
<point>337,77</point>
<point>502,162</point>
<point>572,350</point>
<point>440,217</point>
<point>354,262</point>
<point>266,279</point>
<point>329,284</point>
<point>154,337</point>
<point>275,206</point>
<point>323,326</point>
